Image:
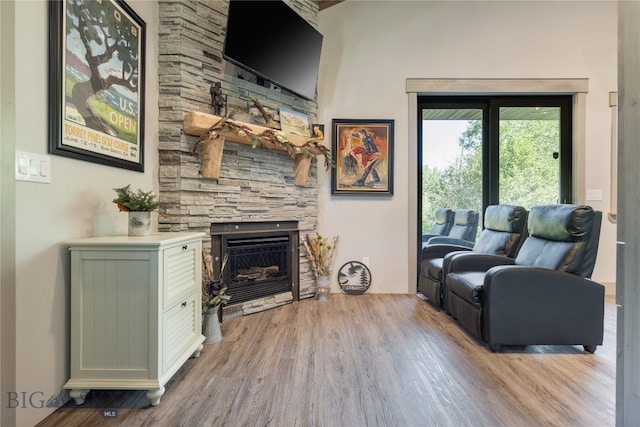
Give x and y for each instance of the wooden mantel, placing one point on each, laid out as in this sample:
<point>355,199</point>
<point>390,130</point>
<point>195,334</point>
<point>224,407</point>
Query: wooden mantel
<point>196,124</point>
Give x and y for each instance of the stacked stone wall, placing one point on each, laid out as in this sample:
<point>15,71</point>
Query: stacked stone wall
<point>254,184</point>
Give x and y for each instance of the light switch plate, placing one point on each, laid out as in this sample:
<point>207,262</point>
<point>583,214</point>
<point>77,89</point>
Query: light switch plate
<point>594,195</point>
<point>33,167</point>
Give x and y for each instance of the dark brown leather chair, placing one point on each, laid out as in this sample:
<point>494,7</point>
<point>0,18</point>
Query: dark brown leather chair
<point>464,228</point>
<point>443,221</point>
<point>504,229</point>
<point>542,297</point>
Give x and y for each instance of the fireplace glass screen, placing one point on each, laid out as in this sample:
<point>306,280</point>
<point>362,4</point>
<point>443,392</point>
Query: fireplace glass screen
<point>256,260</point>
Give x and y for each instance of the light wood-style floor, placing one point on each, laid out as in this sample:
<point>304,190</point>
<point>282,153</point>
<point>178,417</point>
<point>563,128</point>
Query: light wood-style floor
<point>369,360</point>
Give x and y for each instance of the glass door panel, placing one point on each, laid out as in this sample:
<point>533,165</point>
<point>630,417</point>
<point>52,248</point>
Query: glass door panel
<point>529,155</point>
<point>451,161</point>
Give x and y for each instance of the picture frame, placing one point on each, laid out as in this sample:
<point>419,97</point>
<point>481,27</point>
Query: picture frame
<point>294,122</point>
<point>104,125</point>
<point>316,130</point>
<point>363,151</point>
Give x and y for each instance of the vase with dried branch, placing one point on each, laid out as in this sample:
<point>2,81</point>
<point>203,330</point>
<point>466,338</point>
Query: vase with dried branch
<point>214,296</point>
<point>320,251</point>
<point>214,291</point>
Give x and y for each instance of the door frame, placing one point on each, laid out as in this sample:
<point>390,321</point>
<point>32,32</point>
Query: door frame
<point>577,88</point>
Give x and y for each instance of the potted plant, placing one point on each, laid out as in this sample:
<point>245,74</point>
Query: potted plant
<point>139,204</point>
<point>320,254</point>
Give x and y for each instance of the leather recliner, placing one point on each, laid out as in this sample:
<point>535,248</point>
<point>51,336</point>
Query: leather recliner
<point>465,227</point>
<point>542,297</point>
<point>505,227</point>
<point>443,221</point>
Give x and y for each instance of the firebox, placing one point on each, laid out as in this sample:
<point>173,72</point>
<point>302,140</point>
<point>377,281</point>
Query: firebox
<point>257,259</point>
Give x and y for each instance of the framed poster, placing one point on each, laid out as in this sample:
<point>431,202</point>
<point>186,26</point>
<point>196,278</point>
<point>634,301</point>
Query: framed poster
<point>363,151</point>
<point>96,82</point>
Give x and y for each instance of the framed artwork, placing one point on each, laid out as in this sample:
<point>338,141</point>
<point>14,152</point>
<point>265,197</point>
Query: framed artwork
<point>294,122</point>
<point>317,130</point>
<point>96,82</point>
<point>363,152</point>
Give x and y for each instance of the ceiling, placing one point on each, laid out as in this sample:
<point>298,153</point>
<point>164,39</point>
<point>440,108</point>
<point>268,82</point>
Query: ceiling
<point>324,4</point>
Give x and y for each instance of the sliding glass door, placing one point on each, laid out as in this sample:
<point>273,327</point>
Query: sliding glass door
<point>478,151</point>
<point>451,159</point>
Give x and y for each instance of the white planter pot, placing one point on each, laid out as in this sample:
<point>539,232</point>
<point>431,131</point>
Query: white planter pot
<point>139,223</point>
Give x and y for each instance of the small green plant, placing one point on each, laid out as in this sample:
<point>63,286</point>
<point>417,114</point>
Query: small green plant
<point>135,201</point>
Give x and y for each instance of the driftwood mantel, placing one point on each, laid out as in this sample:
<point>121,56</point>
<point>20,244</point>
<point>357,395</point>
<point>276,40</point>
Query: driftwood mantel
<point>196,124</point>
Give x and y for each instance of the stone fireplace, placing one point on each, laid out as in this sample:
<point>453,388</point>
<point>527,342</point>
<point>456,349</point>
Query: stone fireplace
<point>254,185</point>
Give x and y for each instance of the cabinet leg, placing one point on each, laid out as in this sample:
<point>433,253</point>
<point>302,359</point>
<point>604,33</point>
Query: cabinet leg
<point>79,395</point>
<point>197,352</point>
<point>154,395</point>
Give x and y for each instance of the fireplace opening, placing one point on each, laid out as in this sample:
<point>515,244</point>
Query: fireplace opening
<point>257,259</point>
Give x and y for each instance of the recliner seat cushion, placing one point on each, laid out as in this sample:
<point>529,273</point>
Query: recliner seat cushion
<point>468,286</point>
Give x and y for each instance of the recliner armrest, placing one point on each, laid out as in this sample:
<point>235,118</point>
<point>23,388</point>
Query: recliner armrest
<point>450,241</point>
<point>524,305</point>
<point>439,251</point>
<point>427,236</point>
<point>473,261</point>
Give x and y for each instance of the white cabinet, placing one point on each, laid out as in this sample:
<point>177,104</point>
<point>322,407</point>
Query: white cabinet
<point>135,311</point>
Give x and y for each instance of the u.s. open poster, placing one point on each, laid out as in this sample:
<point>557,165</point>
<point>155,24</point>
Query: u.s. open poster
<point>101,82</point>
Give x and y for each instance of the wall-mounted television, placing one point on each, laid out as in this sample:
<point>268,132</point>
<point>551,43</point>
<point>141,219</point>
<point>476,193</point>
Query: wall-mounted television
<point>270,40</point>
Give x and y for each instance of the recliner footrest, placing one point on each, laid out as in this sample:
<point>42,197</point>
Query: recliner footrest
<point>467,286</point>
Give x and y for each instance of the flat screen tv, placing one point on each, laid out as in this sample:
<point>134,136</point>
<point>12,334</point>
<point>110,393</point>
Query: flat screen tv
<point>270,40</point>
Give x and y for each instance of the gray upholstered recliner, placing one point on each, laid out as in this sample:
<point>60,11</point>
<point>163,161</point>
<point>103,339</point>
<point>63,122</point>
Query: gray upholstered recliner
<point>505,226</point>
<point>443,221</point>
<point>542,297</point>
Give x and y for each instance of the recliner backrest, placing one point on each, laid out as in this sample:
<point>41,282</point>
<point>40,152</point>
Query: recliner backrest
<point>505,227</point>
<point>563,238</point>
<point>443,221</point>
<point>465,225</point>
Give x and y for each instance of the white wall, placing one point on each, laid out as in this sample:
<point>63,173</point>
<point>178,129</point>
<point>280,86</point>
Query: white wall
<point>77,203</point>
<point>370,49</point>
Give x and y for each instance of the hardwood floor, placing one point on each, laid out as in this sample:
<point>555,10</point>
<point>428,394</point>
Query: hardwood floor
<point>368,360</point>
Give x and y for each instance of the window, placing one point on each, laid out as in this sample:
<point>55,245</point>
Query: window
<point>477,151</point>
